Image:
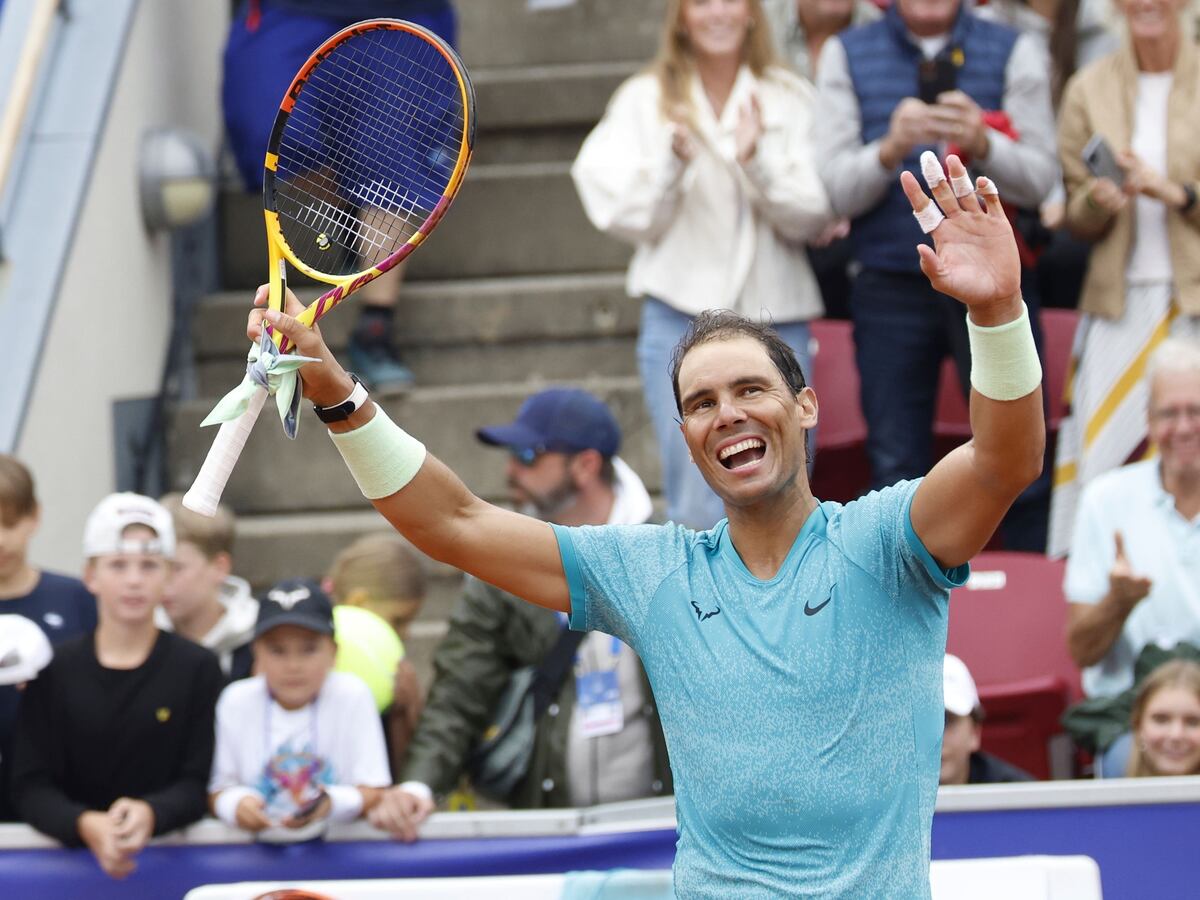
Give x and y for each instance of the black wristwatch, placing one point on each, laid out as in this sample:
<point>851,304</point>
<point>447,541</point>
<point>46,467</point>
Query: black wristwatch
<point>342,411</point>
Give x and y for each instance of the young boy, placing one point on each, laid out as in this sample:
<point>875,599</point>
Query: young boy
<point>204,602</point>
<point>298,745</point>
<point>61,606</point>
<point>114,739</point>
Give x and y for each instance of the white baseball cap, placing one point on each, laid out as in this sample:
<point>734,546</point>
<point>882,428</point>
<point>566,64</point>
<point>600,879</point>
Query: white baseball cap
<point>104,532</point>
<point>24,650</point>
<point>958,687</point>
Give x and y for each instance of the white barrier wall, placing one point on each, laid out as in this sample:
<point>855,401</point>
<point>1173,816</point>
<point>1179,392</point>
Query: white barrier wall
<point>1026,877</point>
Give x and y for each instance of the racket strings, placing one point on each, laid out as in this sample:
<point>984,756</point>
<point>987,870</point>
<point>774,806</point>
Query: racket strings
<point>368,150</point>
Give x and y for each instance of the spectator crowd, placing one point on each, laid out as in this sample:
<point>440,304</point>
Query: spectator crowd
<point>754,167</point>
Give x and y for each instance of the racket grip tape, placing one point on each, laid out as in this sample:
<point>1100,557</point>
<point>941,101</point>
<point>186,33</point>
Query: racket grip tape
<point>206,490</point>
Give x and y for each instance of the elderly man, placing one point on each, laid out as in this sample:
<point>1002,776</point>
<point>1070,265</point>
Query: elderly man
<point>795,649</point>
<point>1133,575</point>
<point>930,75</point>
<point>600,740</point>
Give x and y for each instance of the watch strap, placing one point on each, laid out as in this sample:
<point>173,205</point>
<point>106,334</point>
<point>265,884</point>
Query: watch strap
<point>341,411</point>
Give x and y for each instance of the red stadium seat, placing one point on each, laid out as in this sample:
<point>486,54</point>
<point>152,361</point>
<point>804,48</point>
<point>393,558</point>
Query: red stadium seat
<point>952,424</point>
<point>840,471</point>
<point>1058,333</point>
<point>1008,624</point>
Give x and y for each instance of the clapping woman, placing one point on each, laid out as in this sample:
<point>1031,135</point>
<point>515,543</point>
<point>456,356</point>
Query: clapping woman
<point>704,163</point>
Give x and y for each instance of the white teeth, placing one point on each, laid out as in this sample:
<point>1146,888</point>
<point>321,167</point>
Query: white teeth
<point>748,444</point>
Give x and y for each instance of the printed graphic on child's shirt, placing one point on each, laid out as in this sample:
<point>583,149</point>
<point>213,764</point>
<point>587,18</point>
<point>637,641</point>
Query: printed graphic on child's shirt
<point>293,777</point>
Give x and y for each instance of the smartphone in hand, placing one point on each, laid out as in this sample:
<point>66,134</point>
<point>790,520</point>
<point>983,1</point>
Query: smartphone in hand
<point>1101,161</point>
<point>935,77</point>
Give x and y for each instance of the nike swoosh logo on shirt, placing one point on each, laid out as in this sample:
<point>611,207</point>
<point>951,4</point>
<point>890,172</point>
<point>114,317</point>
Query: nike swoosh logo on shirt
<point>813,610</point>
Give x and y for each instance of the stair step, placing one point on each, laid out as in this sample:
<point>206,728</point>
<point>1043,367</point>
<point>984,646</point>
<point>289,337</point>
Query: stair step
<point>574,94</point>
<point>276,476</point>
<point>449,313</point>
<point>270,548</point>
<point>507,32</point>
<point>548,328</point>
<point>519,219</point>
<point>540,361</point>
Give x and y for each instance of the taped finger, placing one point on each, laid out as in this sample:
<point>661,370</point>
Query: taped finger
<point>935,177</point>
<point>961,185</point>
<point>931,169</point>
<point>989,192</point>
<point>929,218</point>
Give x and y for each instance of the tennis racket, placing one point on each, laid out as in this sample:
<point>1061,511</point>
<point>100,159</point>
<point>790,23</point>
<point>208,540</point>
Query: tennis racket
<point>368,150</point>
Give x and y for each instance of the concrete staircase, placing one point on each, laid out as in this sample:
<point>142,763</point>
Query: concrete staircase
<point>514,291</point>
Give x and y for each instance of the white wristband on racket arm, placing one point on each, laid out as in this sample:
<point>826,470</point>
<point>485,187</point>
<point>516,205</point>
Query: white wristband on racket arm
<point>381,455</point>
<point>1004,360</point>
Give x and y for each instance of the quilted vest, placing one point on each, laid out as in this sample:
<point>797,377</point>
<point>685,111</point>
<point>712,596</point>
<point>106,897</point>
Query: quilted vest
<point>883,61</point>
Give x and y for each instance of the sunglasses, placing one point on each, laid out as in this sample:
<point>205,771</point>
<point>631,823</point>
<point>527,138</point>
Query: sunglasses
<point>526,456</point>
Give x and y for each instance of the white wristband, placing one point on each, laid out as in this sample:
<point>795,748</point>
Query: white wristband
<point>418,789</point>
<point>345,802</point>
<point>227,803</point>
<point>381,455</point>
<point>1004,360</point>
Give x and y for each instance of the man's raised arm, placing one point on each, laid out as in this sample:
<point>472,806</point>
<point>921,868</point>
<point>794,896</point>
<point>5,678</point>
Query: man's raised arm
<point>416,492</point>
<point>961,502</point>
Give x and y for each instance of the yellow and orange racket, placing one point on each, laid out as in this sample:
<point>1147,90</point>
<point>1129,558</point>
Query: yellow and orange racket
<point>368,150</point>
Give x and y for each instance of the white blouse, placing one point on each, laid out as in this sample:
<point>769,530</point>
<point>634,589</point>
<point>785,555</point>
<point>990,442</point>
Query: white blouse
<point>711,233</point>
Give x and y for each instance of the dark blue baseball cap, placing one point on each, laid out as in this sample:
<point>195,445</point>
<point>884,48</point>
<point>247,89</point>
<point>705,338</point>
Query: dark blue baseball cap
<point>560,420</point>
<point>296,601</point>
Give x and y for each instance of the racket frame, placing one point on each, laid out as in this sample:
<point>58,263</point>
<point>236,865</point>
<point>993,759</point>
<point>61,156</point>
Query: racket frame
<point>206,490</point>
<point>278,247</point>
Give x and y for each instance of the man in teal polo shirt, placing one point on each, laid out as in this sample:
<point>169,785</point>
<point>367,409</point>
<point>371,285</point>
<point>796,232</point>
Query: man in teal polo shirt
<point>795,649</point>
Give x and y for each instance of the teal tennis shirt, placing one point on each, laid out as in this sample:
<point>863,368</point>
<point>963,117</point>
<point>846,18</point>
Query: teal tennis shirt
<point>803,714</point>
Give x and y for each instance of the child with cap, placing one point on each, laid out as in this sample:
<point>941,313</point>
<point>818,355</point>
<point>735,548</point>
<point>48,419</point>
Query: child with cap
<point>114,739</point>
<point>962,760</point>
<point>298,745</point>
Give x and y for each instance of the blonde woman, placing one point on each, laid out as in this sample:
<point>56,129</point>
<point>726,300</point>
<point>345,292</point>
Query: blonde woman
<point>1166,722</point>
<point>704,163</point>
<point>1143,221</point>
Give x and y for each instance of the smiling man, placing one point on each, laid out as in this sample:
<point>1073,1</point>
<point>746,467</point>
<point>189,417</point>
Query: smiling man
<point>795,650</point>
<point>1132,574</point>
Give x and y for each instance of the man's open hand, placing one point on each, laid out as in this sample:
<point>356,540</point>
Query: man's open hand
<point>974,257</point>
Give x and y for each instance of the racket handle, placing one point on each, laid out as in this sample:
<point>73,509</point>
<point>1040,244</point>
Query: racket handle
<point>223,455</point>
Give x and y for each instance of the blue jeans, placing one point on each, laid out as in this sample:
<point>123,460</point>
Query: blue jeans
<point>903,329</point>
<point>261,59</point>
<point>690,501</point>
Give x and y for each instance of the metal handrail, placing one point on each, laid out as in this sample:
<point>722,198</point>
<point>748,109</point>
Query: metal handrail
<point>12,119</point>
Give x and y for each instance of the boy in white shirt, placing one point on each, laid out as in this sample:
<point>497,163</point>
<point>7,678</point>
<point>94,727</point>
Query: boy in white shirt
<point>298,745</point>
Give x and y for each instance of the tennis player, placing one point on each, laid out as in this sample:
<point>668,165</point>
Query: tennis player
<point>795,649</point>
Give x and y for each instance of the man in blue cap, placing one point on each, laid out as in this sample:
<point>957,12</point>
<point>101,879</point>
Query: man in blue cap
<point>563,460</point>
<point>600,741</point>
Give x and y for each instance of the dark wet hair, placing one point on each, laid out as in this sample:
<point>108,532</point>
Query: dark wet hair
<point>722,325</point>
